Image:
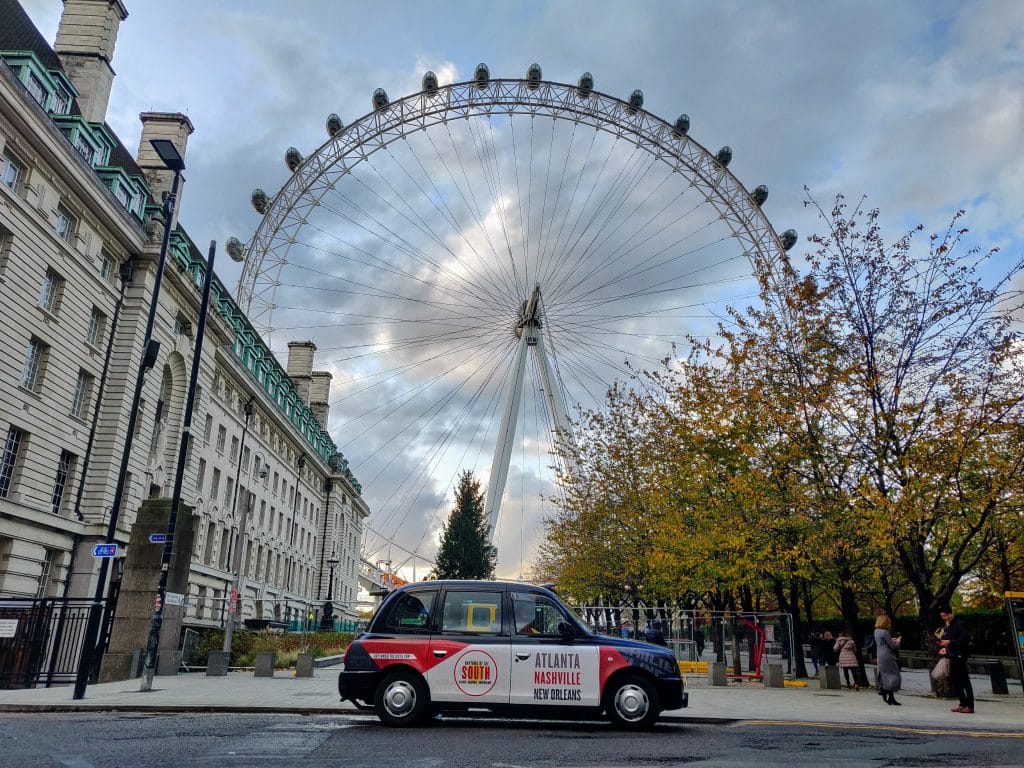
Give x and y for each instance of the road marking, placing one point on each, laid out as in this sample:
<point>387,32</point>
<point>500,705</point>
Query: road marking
<point>895,728</point>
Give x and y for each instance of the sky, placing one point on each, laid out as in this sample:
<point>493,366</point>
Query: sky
<point>916,105</point>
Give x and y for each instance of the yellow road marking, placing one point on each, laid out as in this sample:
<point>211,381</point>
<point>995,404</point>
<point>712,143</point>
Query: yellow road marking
<point>896,728</point>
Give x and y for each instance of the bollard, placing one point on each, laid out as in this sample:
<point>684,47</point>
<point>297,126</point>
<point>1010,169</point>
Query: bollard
<point>774,678</point>
<point>716,673</point>
<point>265,661</point>
<point>304,665</point>
<point>829,678</point>
<point>217,663</point>
<point>997,674</point>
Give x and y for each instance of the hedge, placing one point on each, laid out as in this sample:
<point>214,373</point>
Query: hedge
<point>245,643</point>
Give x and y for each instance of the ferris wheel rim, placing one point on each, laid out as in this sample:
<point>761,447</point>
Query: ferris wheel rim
<point>500,96</point>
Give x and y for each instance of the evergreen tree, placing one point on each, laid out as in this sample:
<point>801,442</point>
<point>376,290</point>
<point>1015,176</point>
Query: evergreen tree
<point>466,551</point>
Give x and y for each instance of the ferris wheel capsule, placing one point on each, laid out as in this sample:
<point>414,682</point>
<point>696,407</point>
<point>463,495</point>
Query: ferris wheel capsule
<point>533,77</point>
<point>430,83</point>
<point>334,125</point>
<point>636,101</point>
<point>788,238</point>
<point>292,158</point>
<point>586,86</point>
<point>759,195</point>
<point>724,156</point>
<point>259,201</point>
<point>380,99</point>
<point>482,76</point>
<point>682,126</point>
<point>235,249</point>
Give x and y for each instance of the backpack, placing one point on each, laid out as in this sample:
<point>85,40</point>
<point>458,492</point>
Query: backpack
<point>869,648</point>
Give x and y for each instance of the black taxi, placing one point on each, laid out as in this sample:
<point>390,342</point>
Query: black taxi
<point>450,646</point>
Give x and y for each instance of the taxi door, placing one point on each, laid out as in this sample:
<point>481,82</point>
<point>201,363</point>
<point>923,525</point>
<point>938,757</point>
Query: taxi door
<point>470,649</point>
<point>548,670</point>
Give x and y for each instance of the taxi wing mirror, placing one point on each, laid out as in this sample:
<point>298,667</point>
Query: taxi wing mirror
<point>566,630</point>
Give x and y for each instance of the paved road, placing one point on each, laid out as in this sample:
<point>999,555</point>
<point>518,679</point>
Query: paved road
<point>108,740</point>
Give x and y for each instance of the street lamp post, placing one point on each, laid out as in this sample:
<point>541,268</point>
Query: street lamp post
<point>157,620</point>
<point>238,578</point>
<point>173,160</point>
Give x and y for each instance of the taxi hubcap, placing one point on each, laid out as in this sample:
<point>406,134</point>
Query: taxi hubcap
<point>631,702</point>
<point>400,698</point>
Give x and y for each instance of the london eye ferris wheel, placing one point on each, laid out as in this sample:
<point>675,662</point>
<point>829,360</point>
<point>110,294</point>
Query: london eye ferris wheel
<point>478,260</point>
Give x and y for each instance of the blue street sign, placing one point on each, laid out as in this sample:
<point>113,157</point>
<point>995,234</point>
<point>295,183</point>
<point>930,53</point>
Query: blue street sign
<point>104,550</point>
<point>157,538</point>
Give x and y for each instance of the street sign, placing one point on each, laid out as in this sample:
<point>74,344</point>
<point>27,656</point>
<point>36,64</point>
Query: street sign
<point>8,627</point>
<point>104,550</point>
<point>157,538</point>
<point>174,598</point>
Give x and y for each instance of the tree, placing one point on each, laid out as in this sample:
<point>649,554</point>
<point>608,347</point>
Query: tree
<point>466,551</point>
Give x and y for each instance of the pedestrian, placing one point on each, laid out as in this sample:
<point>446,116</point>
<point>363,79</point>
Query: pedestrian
<point>846,649</point>
<point>955,645</point>
<point>828,656</point>
<point>814,647</point>
<point>698,639</point>
<point>654,633</point>
<point>887,647</point>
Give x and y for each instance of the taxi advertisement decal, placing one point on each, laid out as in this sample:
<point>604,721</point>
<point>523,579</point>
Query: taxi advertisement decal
<point>475,672</point>
<point>557,677</point>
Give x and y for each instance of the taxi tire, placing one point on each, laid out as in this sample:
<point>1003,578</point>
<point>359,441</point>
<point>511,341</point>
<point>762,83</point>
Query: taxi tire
<point>631,703</point>
<point>401,699</point>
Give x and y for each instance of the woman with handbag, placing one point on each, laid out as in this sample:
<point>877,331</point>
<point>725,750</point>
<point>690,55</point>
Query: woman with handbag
<point>846,648</point>
<point>889,677</point>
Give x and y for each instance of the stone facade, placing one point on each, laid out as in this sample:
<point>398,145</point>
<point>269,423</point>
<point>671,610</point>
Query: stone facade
<point>80,234</point>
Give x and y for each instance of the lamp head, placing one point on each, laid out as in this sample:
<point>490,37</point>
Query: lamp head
<point>168,154</point>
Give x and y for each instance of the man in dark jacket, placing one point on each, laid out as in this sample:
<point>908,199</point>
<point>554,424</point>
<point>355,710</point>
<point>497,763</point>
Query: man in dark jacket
<point>956,646</point>
<point>654,633</point>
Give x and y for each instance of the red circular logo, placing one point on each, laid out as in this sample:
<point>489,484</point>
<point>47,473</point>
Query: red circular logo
<point>475,673</point>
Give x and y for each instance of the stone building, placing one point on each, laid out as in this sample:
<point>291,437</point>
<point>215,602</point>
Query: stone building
<point>80,236</point>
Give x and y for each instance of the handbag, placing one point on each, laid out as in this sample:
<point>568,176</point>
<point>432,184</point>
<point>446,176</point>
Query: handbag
<point>941,670</point>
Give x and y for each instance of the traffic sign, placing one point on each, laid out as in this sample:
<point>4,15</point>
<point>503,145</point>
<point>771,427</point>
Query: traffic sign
<point>104,550</point>
<point>157,538</point>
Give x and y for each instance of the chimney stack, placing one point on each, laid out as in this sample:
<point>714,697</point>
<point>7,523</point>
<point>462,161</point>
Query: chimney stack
<point>300,367</point>
<point>85,45</point>
<point>320,396</point>
<point>175,127</point>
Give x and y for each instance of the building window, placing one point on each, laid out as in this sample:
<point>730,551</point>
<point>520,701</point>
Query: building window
<point>222,436</point>
<point>51,292</point>
<point>234,449</point>
<point>125,197</point>
<point>84,148</point>
<point>83,393</point>
<point>65,469</point>
<point>208,429</point>
<point>61,102</point>
<point>6,243</point>
<point>97,322</point>
<point>35,365</point>
<point>246,453</point>
<point>107,263</point>
<point>229,488</point>
<point>9,460</point>
<point>215,485</point>
<point>201,476</point>
<point>44,574</point>
<point>36,89</point>
<point>13,171</point>
<point>65,224</point>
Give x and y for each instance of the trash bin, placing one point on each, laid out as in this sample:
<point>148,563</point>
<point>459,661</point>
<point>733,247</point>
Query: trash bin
<point>997,674</point>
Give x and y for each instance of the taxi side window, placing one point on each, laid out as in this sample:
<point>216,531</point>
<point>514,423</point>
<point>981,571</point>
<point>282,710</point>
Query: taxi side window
<point>471,612</point>
<point>410,613</point>
<point>535,614</point>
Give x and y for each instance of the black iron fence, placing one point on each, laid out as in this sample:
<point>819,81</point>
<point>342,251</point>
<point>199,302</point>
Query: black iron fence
<point>41,640</point>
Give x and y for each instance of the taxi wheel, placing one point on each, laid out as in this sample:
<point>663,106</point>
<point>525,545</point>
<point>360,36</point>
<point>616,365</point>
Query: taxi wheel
<point>401,699</point>
<point>631,702</point>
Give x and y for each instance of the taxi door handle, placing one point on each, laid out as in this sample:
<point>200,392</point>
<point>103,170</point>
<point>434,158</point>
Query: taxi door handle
<point>522,656</point>
<point>440,654</point>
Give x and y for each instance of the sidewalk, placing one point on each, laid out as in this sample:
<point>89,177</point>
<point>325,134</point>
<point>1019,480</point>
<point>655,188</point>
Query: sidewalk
<point>284,693</point>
